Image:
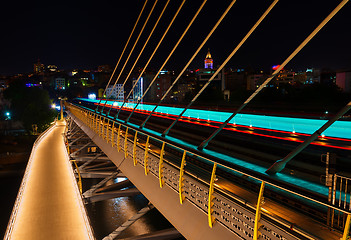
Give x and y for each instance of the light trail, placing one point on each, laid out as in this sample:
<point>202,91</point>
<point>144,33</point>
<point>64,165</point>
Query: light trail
<point>339,130</point>
<point>291,136</point>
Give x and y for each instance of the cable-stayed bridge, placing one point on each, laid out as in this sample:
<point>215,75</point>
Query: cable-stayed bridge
<point>208,177</point>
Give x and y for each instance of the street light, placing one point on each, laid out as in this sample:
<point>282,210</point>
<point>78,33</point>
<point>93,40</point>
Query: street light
<point>8,115</point>
<point>61,104</point>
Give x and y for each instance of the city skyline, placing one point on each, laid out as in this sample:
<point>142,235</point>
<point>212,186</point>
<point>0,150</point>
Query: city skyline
<point>87,35</point>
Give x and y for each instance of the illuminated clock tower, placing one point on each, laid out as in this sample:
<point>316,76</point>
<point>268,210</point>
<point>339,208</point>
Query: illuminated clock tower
<point>208,60</point>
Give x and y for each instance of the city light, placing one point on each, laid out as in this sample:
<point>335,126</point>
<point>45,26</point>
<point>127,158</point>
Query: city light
<point>8,115</point>
<point>92,96</point>
<point>275,67</point>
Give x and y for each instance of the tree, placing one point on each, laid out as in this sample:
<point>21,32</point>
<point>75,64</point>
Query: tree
<point>30,105</point>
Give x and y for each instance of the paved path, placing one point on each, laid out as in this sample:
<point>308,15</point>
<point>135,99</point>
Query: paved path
<point>50,206</point>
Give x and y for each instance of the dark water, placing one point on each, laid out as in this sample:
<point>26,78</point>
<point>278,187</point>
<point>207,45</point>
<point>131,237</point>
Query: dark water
<point>8,192</point>
<point>106,216</point>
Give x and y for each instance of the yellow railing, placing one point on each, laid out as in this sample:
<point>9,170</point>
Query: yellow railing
<point>96,122</point>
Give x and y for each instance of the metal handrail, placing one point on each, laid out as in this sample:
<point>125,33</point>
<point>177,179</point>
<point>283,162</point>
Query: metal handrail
<point>100,122</point>
<point>20,191</point>
<point>190,151</point>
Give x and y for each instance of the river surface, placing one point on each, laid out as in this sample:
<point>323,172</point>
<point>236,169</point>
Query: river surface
<point>106,216</point>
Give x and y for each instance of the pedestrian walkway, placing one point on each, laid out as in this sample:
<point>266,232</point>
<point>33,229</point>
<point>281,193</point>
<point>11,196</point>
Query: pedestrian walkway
<point>49,205</point>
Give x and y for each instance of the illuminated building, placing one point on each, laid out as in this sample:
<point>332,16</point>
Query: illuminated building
<point>310,76</point>
<point>254,81</point>
<point>60,83</point>
<point>104,68</point>
<point>52,68</point>
<point>208,60</point>
<point>38,67</point>
<point>159,87</point>
<point>204,74</point>
<point>343,80</point>
<point>284,76</point>
<point>112,92</point>
<point>138,89</point>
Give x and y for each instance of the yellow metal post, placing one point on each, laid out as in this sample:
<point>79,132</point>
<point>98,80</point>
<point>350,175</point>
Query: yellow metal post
<point>107,130</point>
<point>119,138</point>
<point>345,236</point>
<point>61,108</point>
<point>160,166</point>
<point>258,212</point>
<point>93,122</point>
<point>79,177</point>
<point>113,134</point>
<point>211,219</point>
<point>134,148</point>
<point>98,125</point>
<point>89,115</point>
<point>146,161</point>
<point>181,179</point>
<point>102,127</point>
<point>126,143</point>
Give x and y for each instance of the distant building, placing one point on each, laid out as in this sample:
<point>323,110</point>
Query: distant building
<point>3,84</point>
<point>138,90</point>
<point>185,86</point>
<point>284,77</point>
<point>159,87</point>
<point>343,80</point>
<point>254,81</point>
<point>208,60</point>
<point>38,67</point>
<point>52,68</point>
<point>60,83</point>
<point>205,74</point>
<point>104,68</point>
<point>235,79</point>
<point>310,76</point>
<point>327,77</point>
<point>112,92</point>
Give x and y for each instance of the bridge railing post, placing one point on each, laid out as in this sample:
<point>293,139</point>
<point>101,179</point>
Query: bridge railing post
<point>119,138</point>
<point>96,123</point>
<point>211,219</point>
<point>102,127</point>
<point>258,212</point>
<point>161,167</point>
<point>126,143</point>
<point>107,131</point>
<point>146,160</point>
<point>181,178</point>
<point>347,228</point>
<point>113,134</point>
<point>192,183</point>
<point>134,148</point>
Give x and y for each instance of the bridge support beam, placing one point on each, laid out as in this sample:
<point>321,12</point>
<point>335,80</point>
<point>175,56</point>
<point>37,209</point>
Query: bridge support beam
<point>97,197</point>
<point>184,217</point>
<point>130,221</point>
<point>170,233</point>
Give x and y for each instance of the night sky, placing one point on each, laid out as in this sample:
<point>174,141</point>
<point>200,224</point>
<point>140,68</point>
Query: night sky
<point>85,34</point>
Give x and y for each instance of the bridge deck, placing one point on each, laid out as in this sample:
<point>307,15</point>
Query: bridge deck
<point>50,206</point>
